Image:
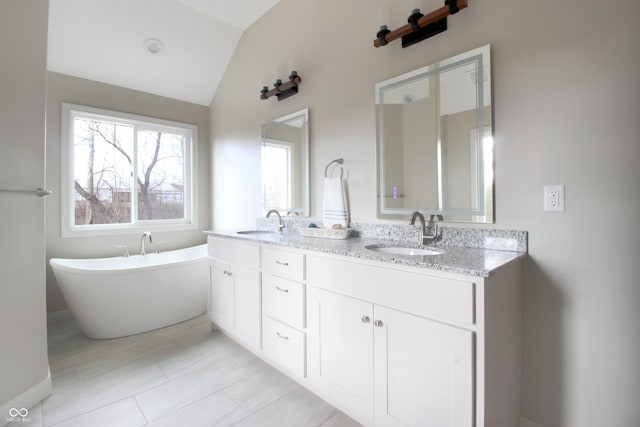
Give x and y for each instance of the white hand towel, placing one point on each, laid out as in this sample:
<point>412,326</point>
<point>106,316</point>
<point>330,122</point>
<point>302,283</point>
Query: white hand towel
<point>334,203</point>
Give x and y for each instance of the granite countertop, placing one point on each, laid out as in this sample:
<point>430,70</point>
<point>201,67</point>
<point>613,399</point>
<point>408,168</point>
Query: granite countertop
<point>455,259</point>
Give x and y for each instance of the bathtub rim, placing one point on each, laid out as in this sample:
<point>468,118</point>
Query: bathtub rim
<point>151,261</point>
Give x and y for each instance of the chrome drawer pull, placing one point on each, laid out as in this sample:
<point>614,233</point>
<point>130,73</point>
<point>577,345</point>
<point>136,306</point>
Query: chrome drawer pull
<point>282,337</point>
<point>378,324</point>
<point>282,290</point>
<point>285,264</point>
<point>365,319</point>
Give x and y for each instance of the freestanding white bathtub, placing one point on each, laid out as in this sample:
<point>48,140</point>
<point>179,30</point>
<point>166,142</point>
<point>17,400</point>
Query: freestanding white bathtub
<point>116,297</point>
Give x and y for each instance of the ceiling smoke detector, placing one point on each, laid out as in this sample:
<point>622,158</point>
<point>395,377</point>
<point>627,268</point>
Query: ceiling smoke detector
<point>153,46</point>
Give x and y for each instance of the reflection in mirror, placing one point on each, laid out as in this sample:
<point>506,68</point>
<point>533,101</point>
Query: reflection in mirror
<point>435,146</point>
<point>285,164</point>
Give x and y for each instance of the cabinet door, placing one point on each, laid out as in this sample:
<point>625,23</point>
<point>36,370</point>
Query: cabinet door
<point>341,349</point>
<point>247,314</point>
<point>221,292</point>
<point>423,372</point>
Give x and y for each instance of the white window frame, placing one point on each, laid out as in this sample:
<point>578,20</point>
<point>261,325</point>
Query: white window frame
<point>68,226</point>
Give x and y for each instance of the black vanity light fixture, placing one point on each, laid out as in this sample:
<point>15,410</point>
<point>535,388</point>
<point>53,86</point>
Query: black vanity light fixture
<point>282,90</point>
<point>420,27</point>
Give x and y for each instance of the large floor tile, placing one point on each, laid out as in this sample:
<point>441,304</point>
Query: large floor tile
<point>217,409</point>
<point>183,375</point>
<point>100,391</point>
<point>198,353</point>
<point>124,413</point>
<point>257,391</point>
<point>339,419</point>
<point>298,408</point>
<point>182,391</point>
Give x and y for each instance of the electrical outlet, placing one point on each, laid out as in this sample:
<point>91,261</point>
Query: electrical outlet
<point>554,198</point>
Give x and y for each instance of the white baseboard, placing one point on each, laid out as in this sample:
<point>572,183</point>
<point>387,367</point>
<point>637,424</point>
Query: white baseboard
<point>28,399</point>
<point>528,423</point>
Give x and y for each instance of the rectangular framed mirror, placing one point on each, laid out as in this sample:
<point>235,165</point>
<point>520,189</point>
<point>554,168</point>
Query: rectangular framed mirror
<point>434,139</point>
<point>285,164</point>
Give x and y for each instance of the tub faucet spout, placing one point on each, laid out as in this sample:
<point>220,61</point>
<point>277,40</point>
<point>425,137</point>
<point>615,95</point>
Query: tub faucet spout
<point>144,237</point>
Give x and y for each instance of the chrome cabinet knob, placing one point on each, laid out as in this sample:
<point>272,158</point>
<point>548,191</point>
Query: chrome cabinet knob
<point>378,324</point>
<point>365,319</point>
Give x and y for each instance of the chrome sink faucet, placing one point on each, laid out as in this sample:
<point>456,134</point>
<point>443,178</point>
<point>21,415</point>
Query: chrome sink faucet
<point>429,231</point>
<point>144,237</point>
<point>280,223</point>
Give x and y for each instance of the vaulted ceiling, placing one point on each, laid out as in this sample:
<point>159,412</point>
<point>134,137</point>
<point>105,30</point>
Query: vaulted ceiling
<point>104,40</point>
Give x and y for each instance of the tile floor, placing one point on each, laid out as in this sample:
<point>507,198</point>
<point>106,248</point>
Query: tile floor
<point>183,375</point>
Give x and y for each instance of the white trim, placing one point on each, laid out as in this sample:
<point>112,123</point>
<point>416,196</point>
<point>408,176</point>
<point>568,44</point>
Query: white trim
<point>68,229</point>
<point>27,399</point>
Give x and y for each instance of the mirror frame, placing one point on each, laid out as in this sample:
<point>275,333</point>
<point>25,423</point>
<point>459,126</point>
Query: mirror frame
<point>485,190</point>
<point>304,209</point>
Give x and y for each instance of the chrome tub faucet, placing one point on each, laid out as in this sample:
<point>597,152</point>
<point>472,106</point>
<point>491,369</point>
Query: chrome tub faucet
<point>145,235</point>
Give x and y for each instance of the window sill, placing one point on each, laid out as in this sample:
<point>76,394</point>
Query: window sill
<point>120,229</point>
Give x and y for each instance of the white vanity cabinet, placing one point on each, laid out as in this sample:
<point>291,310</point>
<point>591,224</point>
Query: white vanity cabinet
<point>234,297</point>
<point>403,347</point>
<point>283,309</point>
<point>389,344</point>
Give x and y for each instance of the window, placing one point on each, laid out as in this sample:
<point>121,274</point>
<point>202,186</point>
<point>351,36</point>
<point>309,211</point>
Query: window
<point>123,172</point>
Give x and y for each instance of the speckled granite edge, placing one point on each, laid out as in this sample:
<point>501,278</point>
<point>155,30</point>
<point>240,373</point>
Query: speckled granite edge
<point>452,259</point>
<point>481,238</point>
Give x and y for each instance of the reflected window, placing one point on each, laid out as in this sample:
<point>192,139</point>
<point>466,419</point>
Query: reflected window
<point>276,173</point>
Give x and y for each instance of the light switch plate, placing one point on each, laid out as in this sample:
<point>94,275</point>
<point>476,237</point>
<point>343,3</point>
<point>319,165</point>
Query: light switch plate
<point>554,198</point>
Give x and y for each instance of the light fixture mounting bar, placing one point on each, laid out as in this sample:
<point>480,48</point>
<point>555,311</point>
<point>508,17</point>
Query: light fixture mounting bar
<point>282,90</point>
<point>450,7</point>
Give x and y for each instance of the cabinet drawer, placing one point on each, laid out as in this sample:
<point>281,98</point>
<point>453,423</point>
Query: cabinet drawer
<point>426,295</point>
<point>283,263</point>
<point>283,299</point>
<point>234,251</point>
<point>284,346</point>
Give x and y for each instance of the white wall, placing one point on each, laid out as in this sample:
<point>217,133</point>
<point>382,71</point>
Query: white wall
<point>566,111</point>
<point>24,377</point>
<point>64,88</point>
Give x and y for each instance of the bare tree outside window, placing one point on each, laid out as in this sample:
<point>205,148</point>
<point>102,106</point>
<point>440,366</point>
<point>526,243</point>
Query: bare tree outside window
<point>160,175</point>
<point>105,154</point>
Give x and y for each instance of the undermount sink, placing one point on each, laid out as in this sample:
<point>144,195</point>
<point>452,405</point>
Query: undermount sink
<point>404,250</point>
<point>255,232</point>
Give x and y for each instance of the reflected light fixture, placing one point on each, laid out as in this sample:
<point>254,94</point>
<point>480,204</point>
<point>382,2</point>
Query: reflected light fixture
<point>420,27</point>
<point>282,90</point>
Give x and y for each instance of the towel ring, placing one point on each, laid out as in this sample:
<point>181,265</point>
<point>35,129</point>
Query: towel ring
<point>338,161</point>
